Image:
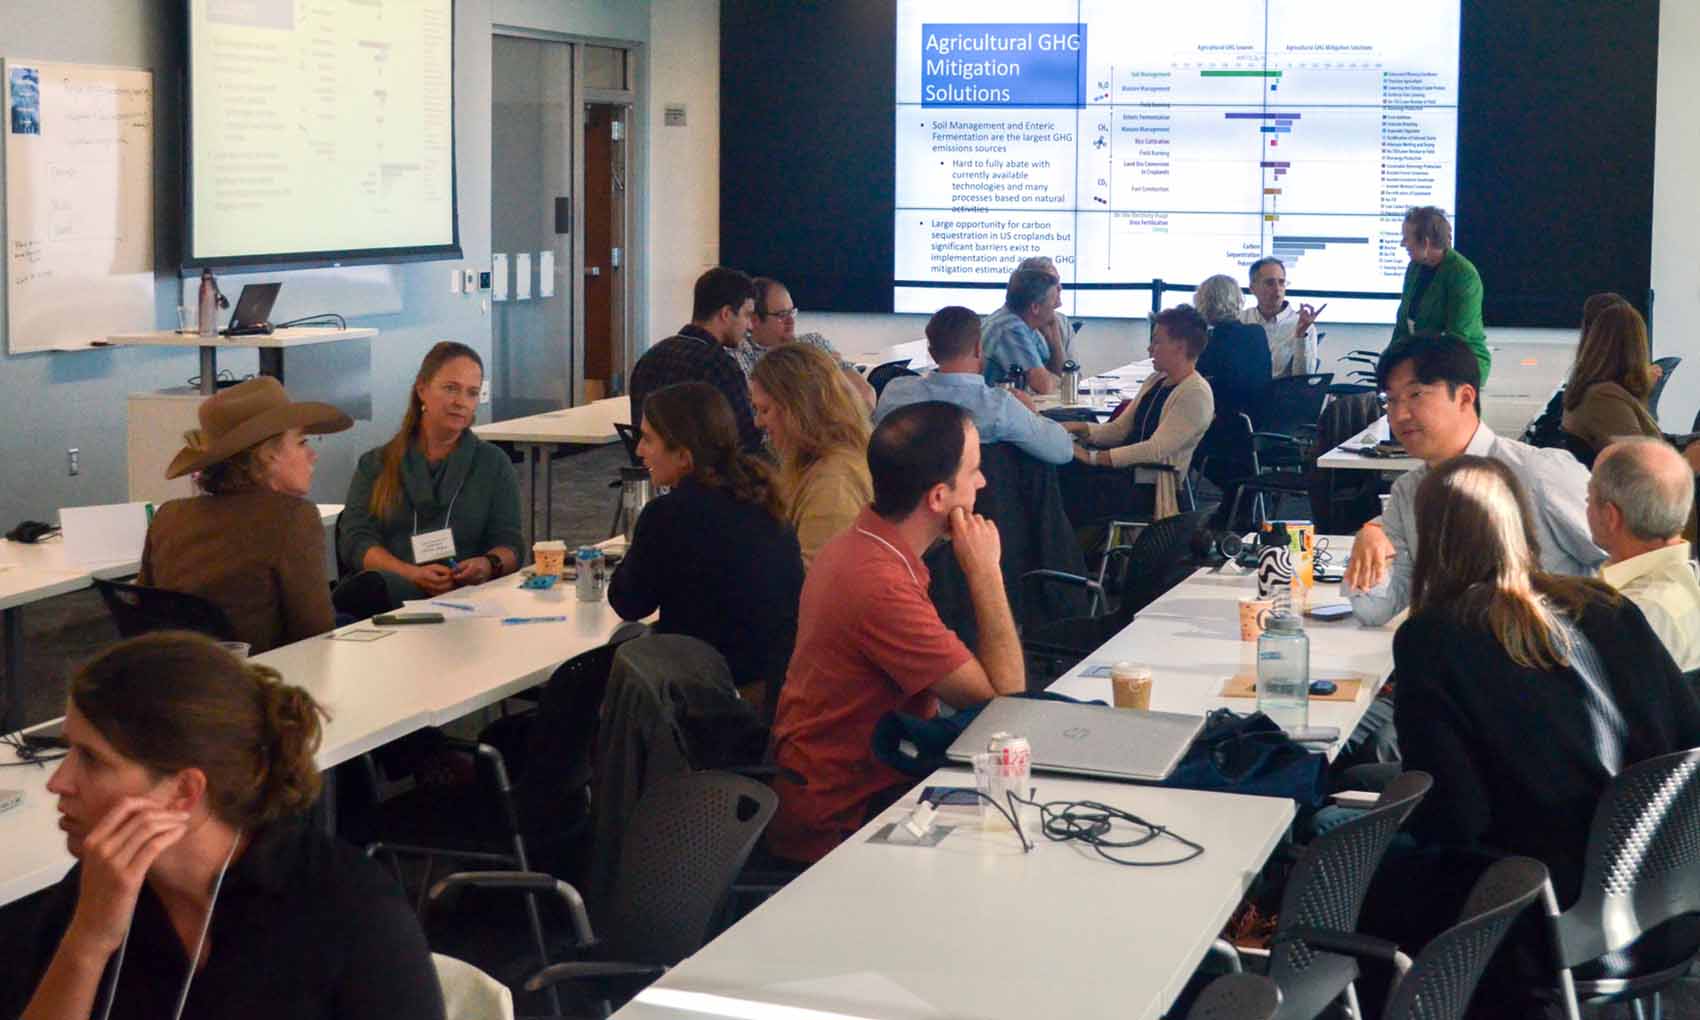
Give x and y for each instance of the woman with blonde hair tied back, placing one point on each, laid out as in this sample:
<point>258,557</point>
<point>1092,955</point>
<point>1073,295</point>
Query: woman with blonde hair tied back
<point>820,430</point>
<point>251,543</point>
<point>1523,694</point>
<point>201,889</point>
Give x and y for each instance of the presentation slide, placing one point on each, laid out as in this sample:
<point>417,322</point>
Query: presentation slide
<point>1134,142</point>
<point>320,126</point>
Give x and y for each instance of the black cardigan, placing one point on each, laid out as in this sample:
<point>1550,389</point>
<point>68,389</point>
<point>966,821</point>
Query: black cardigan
<point>1520,757</point>
<point>719,570</point>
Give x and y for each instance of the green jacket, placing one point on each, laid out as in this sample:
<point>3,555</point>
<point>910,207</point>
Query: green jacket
<point>477,477</point>
<point>1452,304</point>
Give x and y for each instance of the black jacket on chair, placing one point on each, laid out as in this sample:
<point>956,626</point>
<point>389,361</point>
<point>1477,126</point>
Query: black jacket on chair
<point>1022,498</point>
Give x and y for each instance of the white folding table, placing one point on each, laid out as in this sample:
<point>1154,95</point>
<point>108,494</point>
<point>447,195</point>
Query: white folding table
<point>575,429</point>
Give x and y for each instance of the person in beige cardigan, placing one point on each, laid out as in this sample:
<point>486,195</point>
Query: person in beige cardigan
<point>1606,396</point>
<point>819,428</point>
<point>1167,418</point>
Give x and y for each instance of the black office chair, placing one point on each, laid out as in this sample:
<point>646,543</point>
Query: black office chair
<point>1325,893</point>
<point>1669,366</point>
<point>1284,447</point>
<point>887,372</point>
<point>1578,447</point>
<point>1237,997</point>
<point>687,840</point>
<point>1642,870</point>
<point>137,610</point>
<point>1141,572</point>
<point>1440,982</point>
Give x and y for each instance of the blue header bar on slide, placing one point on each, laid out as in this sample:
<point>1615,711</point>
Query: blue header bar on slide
<point>1036,65</point>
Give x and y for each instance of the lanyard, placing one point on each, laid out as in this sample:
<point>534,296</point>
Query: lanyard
<point>894,552</point>
<point>194,958</point>
<point>447,516</point>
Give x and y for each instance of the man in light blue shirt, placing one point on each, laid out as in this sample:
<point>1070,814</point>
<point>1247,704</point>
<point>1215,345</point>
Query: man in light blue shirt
<point>1001,416</point>
<point>1016,334</point>
<point>1432,410</point>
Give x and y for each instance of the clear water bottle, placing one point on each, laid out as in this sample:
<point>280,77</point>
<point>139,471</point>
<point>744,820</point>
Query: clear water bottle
<point>1283,672</point>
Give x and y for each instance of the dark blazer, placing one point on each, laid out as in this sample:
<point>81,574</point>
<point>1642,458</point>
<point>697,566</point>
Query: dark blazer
<point>1520,757</point>
<point>1236,361</point>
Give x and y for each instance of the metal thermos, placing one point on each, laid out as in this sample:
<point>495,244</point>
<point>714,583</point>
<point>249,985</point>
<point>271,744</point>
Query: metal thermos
<point>1070,383</point>
<point>636,490</point>
<point>208,321</point>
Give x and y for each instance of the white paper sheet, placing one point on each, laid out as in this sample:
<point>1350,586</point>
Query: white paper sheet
<point>546,274</point>
<point>105,534</point>
<point>498,277</point>
<point>522,276</point>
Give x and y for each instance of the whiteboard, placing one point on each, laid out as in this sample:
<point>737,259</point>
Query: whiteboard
<point>79,203</point>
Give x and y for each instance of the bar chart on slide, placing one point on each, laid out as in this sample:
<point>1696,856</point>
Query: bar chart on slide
<point>1133,145</point>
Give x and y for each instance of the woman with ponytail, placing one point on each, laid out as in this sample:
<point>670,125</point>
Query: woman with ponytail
<point>714,553</point>
<point>436,507</point>
<point>182,797</point>
<point>1523,693</point>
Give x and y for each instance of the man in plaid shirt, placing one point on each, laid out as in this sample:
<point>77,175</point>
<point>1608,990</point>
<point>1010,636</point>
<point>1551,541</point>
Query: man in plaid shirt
<point>702,351</point>
<point>775,323</point>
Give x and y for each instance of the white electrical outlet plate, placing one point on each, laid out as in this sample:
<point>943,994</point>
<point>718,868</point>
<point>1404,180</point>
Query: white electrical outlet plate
<point>471,278</point>
<point>484,392</point>
<point>455,278</point>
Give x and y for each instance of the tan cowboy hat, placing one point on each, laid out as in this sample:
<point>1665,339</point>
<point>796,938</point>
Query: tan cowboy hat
<point>250,413</point>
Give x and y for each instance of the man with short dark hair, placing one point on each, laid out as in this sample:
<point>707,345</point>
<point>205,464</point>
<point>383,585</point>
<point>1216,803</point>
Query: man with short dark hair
<point>1639,500</point>
<point>1002,416</point>
<point>869,640</point>
<point>1433,410</point>
<point>775,323</point>
<point>1291,331</point>
<point>1014,335</point>
<point>701,351</point>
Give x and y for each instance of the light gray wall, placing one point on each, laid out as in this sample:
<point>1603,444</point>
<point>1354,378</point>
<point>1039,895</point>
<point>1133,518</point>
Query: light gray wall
<point>58,400</point>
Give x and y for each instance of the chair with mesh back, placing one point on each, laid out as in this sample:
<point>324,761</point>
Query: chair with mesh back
<point>1237,997</point>
<point>1283,444</point>
<point>1440,982</point>
<point>1668,365</point>
<point>138,609</point>
<point>1325,893</point>
<point>687,840</point>
<point>1141,572</point>
<point>1642,869</point>
<point>883,374</point>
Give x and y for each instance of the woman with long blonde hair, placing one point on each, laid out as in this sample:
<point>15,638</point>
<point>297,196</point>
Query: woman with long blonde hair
<point>435,508</point>
<point>820,431</point>
<point>1522,693</point>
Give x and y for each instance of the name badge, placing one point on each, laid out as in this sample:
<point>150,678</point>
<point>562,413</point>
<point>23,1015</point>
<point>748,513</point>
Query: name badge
<point>433,545</point>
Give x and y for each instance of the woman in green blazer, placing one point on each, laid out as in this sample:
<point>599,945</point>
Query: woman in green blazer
<point>1443,291</point>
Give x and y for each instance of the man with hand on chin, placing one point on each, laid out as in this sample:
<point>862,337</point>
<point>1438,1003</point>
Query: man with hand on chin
<point>1433,410</point>
<point>869,640</point>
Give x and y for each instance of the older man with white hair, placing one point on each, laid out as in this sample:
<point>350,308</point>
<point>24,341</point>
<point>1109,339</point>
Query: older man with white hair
<point>1639,500</point>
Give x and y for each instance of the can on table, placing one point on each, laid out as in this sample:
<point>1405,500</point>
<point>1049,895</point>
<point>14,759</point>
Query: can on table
<point>592,579</point>
<point>1010,769</point>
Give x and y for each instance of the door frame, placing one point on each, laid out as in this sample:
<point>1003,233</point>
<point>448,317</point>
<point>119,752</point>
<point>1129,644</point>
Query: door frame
<point>633,267</point>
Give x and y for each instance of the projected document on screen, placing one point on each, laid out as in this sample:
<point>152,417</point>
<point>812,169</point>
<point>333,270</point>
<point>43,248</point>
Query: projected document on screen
<point>1133,142</point>
<point>320,126</point>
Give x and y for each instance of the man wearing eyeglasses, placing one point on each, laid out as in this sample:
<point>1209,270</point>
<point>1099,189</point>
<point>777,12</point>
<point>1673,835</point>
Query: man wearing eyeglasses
<point>775,323</point>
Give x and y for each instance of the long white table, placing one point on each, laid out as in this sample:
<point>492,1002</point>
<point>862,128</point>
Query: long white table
<point>1190,637</point>
<point>975,928</point>
<point>270,345</point>
<point>375,692</point>
<point>574,428</point>
<point>32,572</point>
<point>1348,456</point>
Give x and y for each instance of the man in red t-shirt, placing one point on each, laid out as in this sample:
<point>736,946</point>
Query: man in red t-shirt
<point>868,638</point>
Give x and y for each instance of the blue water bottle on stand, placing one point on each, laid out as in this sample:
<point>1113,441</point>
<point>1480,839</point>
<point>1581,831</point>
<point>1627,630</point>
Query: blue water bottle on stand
<point>1283,672</point>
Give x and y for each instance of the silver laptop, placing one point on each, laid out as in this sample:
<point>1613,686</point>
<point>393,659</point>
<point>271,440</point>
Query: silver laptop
<point>1091,740</point>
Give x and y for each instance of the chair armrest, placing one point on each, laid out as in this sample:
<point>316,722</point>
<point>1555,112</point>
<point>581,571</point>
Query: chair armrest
<point>1061,577</point>
<point>1352,944</point>
<point>590,970</point>
<point>446,890</point>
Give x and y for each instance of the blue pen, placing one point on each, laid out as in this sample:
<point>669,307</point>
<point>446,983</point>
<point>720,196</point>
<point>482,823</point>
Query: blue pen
<point>534,619</point>
<point>467,607</point>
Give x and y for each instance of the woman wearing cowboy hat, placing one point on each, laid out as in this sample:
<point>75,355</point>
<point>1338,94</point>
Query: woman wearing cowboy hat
<point>251,543</point>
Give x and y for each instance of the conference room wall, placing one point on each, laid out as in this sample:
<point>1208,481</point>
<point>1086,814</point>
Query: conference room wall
<point>1676,212</point>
